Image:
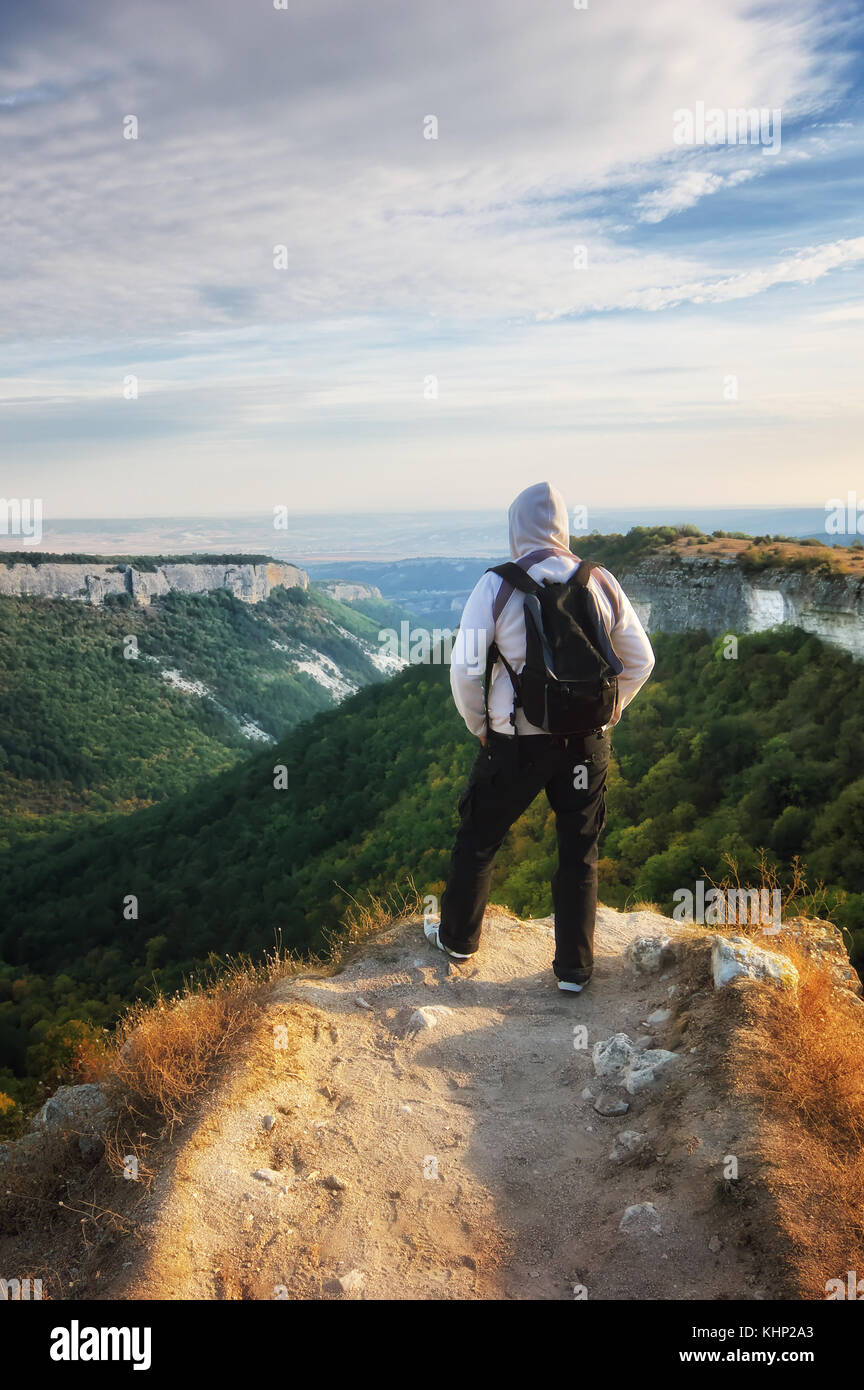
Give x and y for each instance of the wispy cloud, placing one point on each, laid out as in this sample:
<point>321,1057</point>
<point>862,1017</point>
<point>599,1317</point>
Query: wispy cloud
<point>686,191</point>
<point>801,269</point>
<point>553,196</point>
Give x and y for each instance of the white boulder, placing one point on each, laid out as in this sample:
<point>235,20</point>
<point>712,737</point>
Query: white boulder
<point>733,956</point>
<point>613,1056</point>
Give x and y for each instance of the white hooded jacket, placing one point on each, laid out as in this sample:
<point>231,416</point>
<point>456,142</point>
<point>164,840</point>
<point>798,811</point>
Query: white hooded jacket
<point>538,521</point>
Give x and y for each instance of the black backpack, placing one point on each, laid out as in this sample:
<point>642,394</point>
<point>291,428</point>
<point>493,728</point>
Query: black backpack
<point>569,683</point>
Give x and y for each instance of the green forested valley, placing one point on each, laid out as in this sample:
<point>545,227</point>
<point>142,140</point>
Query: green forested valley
<point>110,708</point>
<point>715,757</point>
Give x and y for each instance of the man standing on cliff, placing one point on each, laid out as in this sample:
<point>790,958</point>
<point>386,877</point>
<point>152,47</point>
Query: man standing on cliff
<point>518,759</point>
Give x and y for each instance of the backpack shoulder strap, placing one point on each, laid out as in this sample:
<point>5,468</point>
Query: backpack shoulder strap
<point>582,573</point>
<point>513,577</point>
<point>516,577</point>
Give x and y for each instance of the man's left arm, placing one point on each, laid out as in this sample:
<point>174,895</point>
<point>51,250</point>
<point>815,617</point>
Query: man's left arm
<point>630,643</point>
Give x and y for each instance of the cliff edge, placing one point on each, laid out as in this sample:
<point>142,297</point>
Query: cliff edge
<point>93,583</point>
<point>405,1128</point>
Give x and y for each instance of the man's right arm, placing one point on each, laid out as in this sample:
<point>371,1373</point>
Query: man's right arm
<point>468,659</point>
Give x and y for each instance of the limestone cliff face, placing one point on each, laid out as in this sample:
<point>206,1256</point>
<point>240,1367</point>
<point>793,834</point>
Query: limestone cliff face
<point>674,593</point>
<point>347,591</point>
<point>91,583</point>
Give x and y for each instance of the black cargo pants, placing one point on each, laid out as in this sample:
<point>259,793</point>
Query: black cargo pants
<point>507,775</point>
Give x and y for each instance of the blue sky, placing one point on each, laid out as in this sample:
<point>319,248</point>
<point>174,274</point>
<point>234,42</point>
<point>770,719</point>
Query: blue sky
<point>410,258</point>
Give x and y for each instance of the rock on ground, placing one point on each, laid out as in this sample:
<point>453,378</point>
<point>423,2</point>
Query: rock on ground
<point>735,956</point>
<point>648,954</point>
<point>640,1219</point>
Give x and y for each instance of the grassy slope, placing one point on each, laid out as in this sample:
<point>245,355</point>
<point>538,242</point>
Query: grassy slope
<point>86,729</point>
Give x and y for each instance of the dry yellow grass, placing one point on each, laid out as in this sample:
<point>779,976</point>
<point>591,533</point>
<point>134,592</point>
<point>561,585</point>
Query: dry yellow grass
<point>800,1062</point>
<point>166,1052</point>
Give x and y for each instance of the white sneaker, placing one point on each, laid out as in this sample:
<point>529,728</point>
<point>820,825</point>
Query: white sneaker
<point>431,931</point>
<point>570,989</point>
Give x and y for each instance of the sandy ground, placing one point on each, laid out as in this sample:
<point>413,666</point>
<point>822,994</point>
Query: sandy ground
<point>459,1161</point>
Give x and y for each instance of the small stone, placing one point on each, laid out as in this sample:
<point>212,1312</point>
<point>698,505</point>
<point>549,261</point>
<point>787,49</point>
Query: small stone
<point>642,1072</point>
<point>361,1002</point>
<point>607,1104</point>
<point>658,1016</point>
<point>587,1094</point>
<point>648,953</point>
<point>352,1282</point>
<point>422,1018</point>
<point>268,1122</point>
<point>334,1184</point>
<point>640,1219</point>
<point>715,1244</point>
<point>613,1056</point>
<point>270,1176</point>
<point>427,1017</point>
<point>627,1145</point>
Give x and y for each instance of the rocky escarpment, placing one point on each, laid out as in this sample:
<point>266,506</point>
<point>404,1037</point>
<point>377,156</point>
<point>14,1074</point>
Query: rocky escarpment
<point>673,593</point>
<point>93,582</point>
<point>345,591</point>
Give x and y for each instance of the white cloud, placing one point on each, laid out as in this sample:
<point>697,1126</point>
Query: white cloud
<point>687,190</point>
<point>803,268</point>
<point>306,127</point>
<point>405,256</point>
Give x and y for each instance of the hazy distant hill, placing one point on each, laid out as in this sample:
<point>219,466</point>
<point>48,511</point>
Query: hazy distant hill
<point>678,578</point>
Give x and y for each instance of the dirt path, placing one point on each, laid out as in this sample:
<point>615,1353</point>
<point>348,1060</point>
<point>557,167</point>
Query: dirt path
<point>455,1161</point>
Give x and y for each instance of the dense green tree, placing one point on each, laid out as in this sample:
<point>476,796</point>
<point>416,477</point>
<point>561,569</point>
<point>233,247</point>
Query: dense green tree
<point>715,758</point>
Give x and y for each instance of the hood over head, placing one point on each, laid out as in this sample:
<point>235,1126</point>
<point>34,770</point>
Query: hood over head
<point>539,520</point>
